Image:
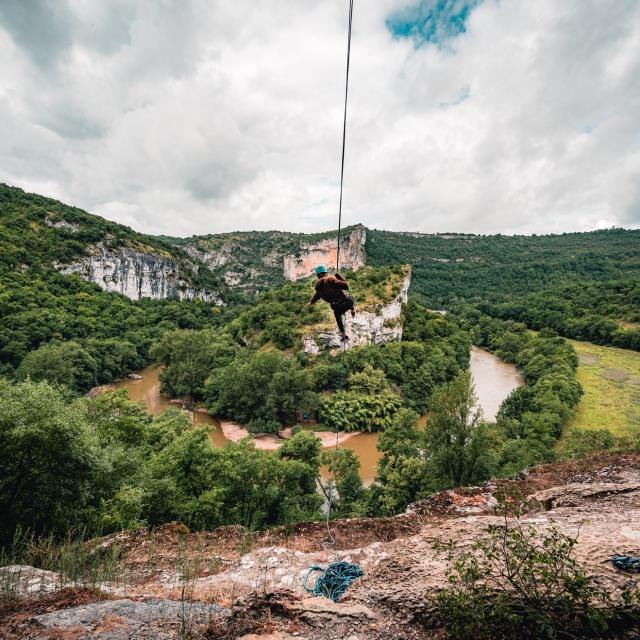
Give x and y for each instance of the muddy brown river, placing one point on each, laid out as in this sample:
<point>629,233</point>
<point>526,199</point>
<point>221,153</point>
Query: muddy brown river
<point>493,378</point>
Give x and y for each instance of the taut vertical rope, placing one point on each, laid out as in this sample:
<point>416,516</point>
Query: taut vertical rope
<point>344,131</point>
<point>330,538</point>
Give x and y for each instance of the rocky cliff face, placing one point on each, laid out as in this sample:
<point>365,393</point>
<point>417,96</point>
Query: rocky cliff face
<point>352,255</point>
<point>370,325</point>
<point>259,592</point>
<point>255,260</point>
<point>136,274</point>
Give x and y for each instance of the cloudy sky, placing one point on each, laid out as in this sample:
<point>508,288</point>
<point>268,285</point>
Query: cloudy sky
<point>202,116</point>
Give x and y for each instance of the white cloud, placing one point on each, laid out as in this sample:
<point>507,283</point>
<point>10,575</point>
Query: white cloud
<point>199,116</point>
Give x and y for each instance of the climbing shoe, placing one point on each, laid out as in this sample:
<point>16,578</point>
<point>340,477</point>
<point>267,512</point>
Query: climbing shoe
<point>353,312</point>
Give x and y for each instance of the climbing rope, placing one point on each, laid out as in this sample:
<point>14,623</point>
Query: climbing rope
<point>330,537</point>
<point>627,563</point>
<point>334,580</point>
<point>344,131</point>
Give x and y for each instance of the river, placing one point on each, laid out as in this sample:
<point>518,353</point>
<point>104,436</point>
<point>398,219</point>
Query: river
<point>493,378</point>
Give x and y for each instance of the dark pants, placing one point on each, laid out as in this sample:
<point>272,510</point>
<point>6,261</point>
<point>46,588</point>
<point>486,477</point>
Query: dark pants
<point>339,309</point>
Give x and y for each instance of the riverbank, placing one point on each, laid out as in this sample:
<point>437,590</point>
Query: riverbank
<point>494,380</point>
<point>268,442</point>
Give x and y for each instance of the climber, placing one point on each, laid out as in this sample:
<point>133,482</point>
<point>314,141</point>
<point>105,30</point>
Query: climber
<point>332,290</point>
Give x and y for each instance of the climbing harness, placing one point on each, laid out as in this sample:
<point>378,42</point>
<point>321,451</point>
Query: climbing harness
<point>626,563</point>
<point>334,580</point>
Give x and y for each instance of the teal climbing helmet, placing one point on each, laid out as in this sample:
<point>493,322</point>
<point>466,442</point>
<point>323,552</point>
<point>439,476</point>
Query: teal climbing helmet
<point>321,269</point>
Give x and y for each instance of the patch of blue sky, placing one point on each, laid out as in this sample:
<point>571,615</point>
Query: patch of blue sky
<point>463,94</point>
<point>434,22</point>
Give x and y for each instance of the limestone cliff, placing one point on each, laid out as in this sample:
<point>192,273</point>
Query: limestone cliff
<point>256,260</point>
<point>257,586</point>
<point>372,324</point>
<point>136,274</point>
<point>352,255</point>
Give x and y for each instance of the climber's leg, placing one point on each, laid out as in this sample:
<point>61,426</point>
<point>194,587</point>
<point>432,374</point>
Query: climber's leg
<point>339,310</point>
<point>338,314</point>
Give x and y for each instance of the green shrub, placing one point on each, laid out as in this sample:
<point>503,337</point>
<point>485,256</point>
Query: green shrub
<point>355,411</point>
<point>517,582</point>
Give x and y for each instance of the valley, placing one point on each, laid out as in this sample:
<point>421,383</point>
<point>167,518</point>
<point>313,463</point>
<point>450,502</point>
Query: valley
<point>461,376</point>
<point>493,379</point>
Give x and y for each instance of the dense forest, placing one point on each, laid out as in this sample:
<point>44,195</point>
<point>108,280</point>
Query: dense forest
<point>450,268</point>
<point>582,285</point>
<point>67,329</point>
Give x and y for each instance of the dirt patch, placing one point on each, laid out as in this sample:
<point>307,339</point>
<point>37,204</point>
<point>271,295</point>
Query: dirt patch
<point>588,359</point>
<point>268,442</point>
<point>615,375</point>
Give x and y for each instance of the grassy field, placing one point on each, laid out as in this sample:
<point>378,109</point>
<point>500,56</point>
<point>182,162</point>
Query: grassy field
<point>611,381</point>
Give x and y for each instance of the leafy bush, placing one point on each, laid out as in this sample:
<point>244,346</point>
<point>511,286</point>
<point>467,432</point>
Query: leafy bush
<point>48,460</point>
<point>518,582</point>
<point>354,411</point>
<point>266,387</point>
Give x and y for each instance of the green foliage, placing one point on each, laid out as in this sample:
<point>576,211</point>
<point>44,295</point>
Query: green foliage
<point>531,418</point>
<point>588,311</point>
<point>189,357</point>
<point>449,268</point>
<point>48,460</point>
<point>461,451</point>
<point>346,466</point>
<point>356,411</point>
<point>65,364</point>
<point>519,582</point>
<point>266,386</point>
<point>456,448</point>
<point>580,284</point>
<point>104,464</point>
<point>401,476</point>
<point>237,484</point>
<point>41,307</point>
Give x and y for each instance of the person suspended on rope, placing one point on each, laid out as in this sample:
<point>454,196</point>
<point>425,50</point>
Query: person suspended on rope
<point>332,290</point>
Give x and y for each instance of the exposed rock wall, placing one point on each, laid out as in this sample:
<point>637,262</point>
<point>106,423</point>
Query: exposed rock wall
<point>136,275</point>
<point>352,255</point>
<point>369,326</point>
<point>259,593</point>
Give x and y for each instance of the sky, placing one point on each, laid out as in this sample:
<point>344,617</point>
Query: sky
<point>186,117</point>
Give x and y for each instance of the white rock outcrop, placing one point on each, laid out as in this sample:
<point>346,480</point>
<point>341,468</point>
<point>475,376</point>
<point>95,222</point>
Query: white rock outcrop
<point>377,326</point>
<point>135,274</point>
<point>352,255</point>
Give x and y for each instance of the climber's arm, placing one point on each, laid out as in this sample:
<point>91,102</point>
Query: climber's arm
<point>340,282</point>
<point>314,299</point>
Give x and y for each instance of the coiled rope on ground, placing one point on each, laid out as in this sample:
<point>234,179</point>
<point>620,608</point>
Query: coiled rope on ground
<point>334,580</point>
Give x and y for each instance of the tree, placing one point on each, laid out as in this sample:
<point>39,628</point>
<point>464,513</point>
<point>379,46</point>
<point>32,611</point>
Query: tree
<point>48,460</point>
<point>401,475</point>
<point>190,357</point>
<point>459,446</point>
<point>346,466</point>
<point>65,363</point>
<point>266,387</point>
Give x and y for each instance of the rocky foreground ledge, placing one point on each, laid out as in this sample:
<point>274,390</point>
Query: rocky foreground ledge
<point>230,583</point>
